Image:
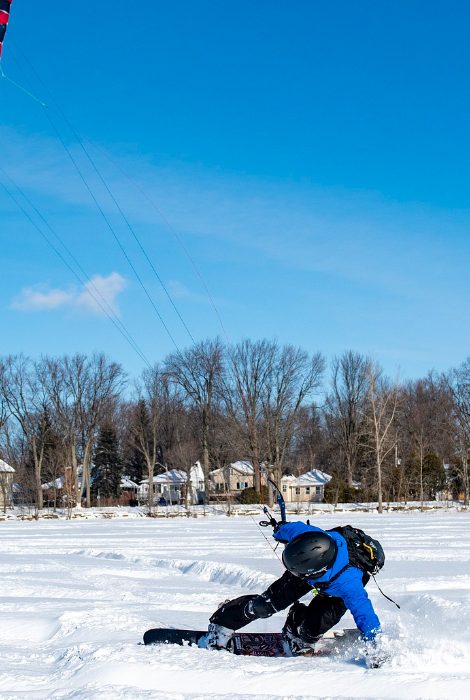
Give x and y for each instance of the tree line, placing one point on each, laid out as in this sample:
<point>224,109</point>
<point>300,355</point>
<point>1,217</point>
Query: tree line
<point>81,419</point>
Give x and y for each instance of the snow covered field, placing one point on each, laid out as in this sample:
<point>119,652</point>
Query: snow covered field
<point>76,596</point>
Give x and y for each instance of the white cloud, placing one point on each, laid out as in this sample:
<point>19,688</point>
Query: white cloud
<point>39,299</point>
<point>97,296</point>
<point>101,291</point>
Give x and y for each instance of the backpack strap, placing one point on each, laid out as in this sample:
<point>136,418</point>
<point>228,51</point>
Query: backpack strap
<point>321,585</point>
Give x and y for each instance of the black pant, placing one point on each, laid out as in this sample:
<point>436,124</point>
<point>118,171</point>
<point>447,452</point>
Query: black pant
<point>322,613</point>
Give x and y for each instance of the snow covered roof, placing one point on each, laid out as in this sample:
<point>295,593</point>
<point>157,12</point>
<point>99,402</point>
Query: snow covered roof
<point>4,467</point>
<point>127,483</point>
<point>177,477</point>
<point>241,467</point>
<point>314,477</point>
<point>56,484</point>
<point>173,476</point>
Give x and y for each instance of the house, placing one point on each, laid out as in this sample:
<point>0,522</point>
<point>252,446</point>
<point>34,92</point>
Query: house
<point>197,483</point>
<point>6,485</point>
<point>53,492</point>
<point>129,490</point>
<point>306,488</point>
<point>232,479</point>
<point>170,487</point>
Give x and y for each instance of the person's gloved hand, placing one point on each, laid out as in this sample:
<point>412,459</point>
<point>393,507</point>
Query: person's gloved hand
<point>277,533</point>
<point>375,654</point>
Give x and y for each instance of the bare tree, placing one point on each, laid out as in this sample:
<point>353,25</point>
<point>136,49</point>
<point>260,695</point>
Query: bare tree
<point>198,371</point>
<point>90,384</point>
<point>346,405</point>
<point>382,399</point>
<point>293,378</point>
<point>182,453</point>
<point>310,446</point>
<point>26,398</point>
<point>4,476</point>
<point>3,403</point>
<point>62,377</point>
<point>4,412</point>
<point>146,423</point>
<point>420,424</point>
<point>458,381</point>
<point>249,370</point>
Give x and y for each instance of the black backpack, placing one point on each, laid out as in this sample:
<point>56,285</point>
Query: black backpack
<point>365,553</point>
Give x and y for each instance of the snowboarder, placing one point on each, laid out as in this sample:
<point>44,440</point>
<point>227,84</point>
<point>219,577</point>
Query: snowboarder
<point>334,564</point>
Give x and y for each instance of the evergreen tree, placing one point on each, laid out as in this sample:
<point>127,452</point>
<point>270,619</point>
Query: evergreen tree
<point>134,465</point>
<point>138,423</point>
<point>434,475</point>
<point>107,465</point>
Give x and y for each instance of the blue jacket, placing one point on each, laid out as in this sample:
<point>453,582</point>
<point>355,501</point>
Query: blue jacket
<point>348,586</point>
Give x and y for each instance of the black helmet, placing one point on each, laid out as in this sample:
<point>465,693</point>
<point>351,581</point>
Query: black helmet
<point>310,554</point>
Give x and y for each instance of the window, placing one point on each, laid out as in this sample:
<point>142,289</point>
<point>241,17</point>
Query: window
<point>284,488</point>
<point>307,489</point>
<point>242,485</point>
<point>297,490</point>
<point>318,490</point>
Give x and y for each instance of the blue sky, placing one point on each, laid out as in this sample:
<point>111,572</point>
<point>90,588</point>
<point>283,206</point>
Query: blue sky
<point>310,159</point>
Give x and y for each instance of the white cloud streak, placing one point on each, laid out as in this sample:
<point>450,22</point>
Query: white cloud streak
<point>354,237</point>
<point>96,296</point>
<point>39,298</point>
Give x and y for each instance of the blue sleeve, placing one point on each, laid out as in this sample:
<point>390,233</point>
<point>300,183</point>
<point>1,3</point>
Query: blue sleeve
<point>348,586</point>
<point>290,531</point>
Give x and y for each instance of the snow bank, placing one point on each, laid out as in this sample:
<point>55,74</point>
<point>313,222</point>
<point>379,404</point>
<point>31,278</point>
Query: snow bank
<point>293,510</point>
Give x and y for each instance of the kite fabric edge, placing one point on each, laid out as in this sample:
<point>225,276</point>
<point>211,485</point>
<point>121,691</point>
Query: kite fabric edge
<point>4,17</point>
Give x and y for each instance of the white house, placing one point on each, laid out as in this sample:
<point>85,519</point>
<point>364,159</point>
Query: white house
<point>170,485</point>
<point>306,488</point>
<point>6,484</point>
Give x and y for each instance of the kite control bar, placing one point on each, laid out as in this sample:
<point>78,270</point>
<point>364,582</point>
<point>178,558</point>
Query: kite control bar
<point>282,507</point>
<point>271,519</point>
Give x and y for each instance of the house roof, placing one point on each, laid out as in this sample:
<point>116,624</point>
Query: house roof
<point>4,467</point>
<point>56,484</point>
<point>172,476</point>
<point>314,477</point>
<point>127,483</point>
<point>241,467</point>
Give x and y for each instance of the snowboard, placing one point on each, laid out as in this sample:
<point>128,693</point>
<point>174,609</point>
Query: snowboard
<point>256,643</point>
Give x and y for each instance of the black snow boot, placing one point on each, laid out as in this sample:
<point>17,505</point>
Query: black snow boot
<point>298,640</point>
